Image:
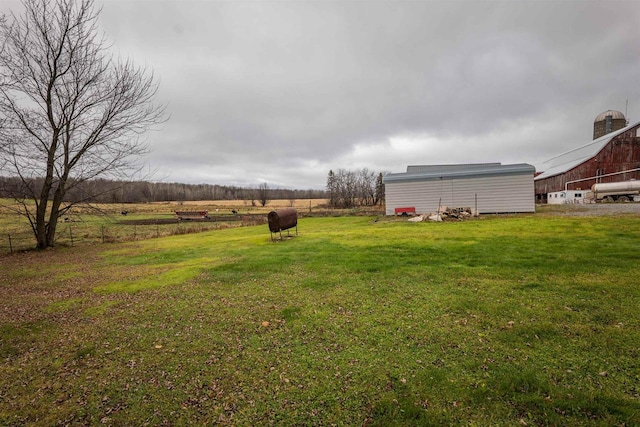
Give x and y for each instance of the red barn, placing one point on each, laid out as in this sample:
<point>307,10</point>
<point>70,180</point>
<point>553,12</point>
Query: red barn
<point>610,158</point>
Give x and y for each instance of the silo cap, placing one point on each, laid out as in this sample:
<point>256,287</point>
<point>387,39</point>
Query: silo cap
<point>613,113</point>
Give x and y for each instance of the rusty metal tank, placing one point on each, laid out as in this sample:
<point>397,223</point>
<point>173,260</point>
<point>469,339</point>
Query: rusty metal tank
<point>282,219</point>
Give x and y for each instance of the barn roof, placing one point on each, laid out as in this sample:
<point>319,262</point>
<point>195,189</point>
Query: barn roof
<point>433,172</point>
<point>566,161</point>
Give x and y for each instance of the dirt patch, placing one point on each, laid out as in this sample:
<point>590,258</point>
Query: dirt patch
<point>245,218</point>
<point>30,281</point>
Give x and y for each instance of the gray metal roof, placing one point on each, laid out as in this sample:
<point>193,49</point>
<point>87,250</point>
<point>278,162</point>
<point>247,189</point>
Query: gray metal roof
<point>572,158</point>
<point>448,168</point>
<point>433,172</point>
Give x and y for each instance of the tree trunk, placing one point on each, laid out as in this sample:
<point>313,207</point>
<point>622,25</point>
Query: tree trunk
<point>40,228</point>
<point>54,216</point>
<point>52,226</point>
<point>41,235</point>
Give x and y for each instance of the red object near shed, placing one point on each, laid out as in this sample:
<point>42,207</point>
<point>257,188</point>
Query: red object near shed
<point>405,210</point>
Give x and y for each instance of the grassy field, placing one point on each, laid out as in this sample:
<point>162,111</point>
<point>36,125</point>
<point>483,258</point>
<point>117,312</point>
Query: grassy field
<point>510,320</point>
<point>104,223</point>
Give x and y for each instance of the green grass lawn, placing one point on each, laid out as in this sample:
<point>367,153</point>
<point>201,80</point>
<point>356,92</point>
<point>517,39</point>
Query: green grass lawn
<point>512,320</point>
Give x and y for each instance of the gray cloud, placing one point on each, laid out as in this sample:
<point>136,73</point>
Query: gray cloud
<point>284,91</point>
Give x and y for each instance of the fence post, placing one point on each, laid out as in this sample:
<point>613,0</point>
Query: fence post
<point>71,234</point>
<point>10,245</point>
<point>157,230</point>
<point>476,206</point>
<point>102,232</point>
<point>134,232</point>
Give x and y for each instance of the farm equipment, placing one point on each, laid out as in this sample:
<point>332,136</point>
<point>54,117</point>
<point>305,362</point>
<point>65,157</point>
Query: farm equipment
<point>404,211</point>
<point>188,215</point>
<point>283,219</point>
<point>616,191</point>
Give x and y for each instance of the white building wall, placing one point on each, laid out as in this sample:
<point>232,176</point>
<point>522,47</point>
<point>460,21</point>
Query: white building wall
<point>578,197</point>
<point>495,194</point>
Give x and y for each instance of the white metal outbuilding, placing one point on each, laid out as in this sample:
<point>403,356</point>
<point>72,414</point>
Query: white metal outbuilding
<point>569,197</point>
<point>487,187</point>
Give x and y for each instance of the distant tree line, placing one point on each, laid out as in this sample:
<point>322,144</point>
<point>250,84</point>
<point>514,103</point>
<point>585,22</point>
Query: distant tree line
<point>107,191</point>
<point>351,188</point>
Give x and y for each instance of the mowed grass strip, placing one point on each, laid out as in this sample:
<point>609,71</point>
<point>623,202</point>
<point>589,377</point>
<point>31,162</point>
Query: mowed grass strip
<point>524,320</point>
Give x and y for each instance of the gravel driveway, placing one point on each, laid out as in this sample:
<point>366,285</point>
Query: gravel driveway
<point>595,209</point>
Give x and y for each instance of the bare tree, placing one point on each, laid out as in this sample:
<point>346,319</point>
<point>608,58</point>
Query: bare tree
<point>351,188</point>
<point>365,187</point>
<point>379,192</point>
<point>69,111</point>
<point>332,188</point>
<point>263,194</point>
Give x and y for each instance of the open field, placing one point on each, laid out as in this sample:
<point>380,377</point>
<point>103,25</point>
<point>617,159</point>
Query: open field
<point>168,208</point>
<point>505,320</point>
<point>239,204</point>
<point>104,223</point>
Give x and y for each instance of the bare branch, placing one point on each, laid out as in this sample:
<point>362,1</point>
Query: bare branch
<point>69,112</point>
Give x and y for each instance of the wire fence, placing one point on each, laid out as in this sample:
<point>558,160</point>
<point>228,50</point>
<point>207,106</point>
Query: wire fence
<point>76,232</point>
<point>79,233</point>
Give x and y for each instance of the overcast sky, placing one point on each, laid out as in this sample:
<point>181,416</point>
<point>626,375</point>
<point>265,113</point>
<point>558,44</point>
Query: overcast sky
<point>283,91</point>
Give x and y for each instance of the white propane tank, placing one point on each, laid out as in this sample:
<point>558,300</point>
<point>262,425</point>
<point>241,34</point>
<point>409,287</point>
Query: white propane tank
<point>610,187</point>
